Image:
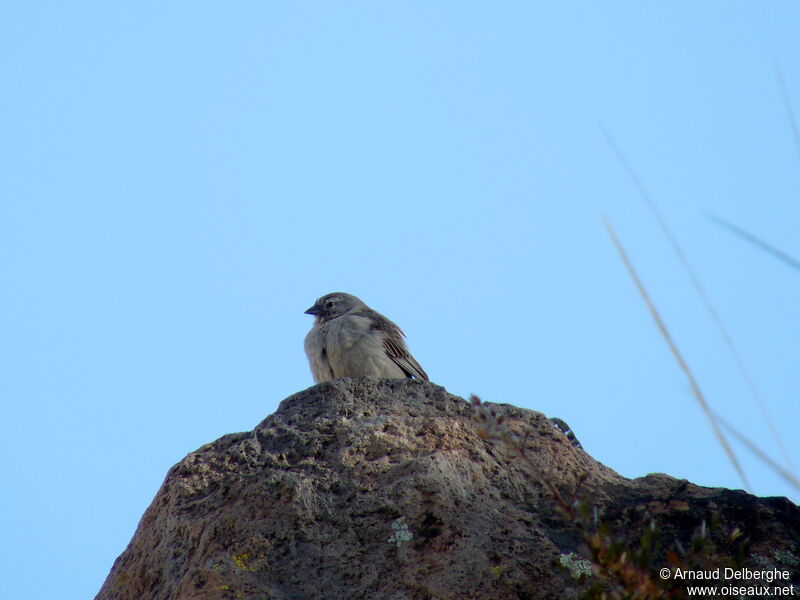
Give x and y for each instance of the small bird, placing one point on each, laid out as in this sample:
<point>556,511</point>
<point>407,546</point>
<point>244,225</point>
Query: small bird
<point>349,339</point>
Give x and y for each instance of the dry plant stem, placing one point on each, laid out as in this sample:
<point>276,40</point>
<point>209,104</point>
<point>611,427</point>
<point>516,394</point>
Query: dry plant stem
<point>678,357</point>
<point>566,506</point>
<point>789,112</point>
<point>622,569</point>
<point>757,451</point>
<point>609,565</point>
<point>779,254</point>
<point>645,194</point>
<point>492,426</point>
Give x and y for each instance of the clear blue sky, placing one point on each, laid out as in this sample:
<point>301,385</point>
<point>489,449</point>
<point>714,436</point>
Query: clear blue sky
<point>180,181</point>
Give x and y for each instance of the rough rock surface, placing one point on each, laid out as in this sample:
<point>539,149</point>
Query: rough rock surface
<point>366,488</point>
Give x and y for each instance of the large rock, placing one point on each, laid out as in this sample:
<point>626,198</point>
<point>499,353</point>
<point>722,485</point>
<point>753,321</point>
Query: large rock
<point>365,488</point>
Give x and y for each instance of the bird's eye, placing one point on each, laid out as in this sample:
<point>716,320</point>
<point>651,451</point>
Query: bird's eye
<point>330,303</point>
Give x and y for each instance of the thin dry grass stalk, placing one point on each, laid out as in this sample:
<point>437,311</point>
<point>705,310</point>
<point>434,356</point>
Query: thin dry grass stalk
<point>492,426</point>
<point>698,394</point>
<point>787,103</point>
<point>791,479</point>
<point>779,254</point>
<point>609,563</point>
<point>676,247</point>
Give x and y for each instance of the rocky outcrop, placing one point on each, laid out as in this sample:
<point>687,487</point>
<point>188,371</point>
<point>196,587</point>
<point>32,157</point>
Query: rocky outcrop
<point>365,488</point>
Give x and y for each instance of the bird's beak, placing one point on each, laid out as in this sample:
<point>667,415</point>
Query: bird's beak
<point>314,310</point>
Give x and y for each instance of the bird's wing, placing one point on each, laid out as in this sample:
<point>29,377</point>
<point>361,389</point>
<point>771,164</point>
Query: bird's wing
<point>395,347</point>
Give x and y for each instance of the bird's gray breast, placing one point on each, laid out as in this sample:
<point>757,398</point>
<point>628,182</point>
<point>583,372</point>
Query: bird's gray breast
<point>345,336</point>
<point>316,351</point>
<point>348,346</point>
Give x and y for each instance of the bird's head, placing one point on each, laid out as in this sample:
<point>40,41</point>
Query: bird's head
<point>334,305</point>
